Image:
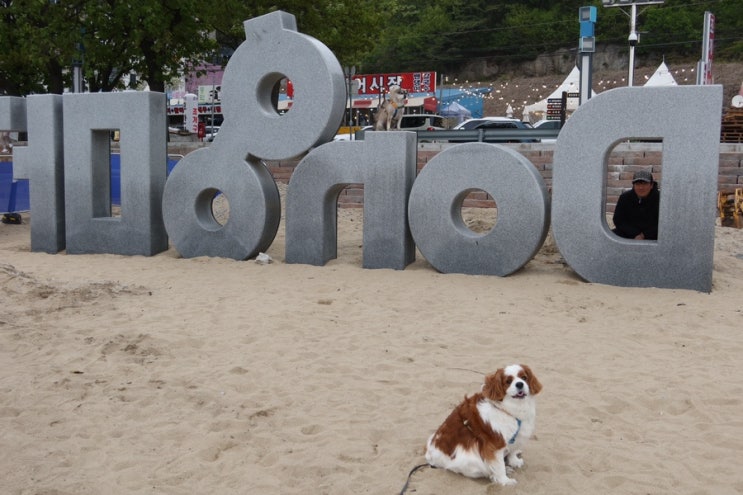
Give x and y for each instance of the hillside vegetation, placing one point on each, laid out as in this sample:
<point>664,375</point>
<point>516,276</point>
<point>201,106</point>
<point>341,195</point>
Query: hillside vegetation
<point>450,35</point>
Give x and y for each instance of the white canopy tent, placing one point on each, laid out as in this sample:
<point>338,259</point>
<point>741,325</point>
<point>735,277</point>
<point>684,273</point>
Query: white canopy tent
<point>661,77</point>
<point>571,84</point>
<point>456,110</point>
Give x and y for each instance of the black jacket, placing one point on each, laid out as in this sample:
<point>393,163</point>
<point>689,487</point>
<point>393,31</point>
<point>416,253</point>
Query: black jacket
<point>633,215</point>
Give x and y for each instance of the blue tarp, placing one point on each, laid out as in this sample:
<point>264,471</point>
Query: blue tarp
<point>14,195</point>
<point>469,98</point>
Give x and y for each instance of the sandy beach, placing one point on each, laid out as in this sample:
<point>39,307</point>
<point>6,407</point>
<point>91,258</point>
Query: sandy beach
<point>164,375</point>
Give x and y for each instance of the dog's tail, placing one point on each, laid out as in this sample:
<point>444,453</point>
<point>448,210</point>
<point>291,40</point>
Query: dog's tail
<point>410,474</point>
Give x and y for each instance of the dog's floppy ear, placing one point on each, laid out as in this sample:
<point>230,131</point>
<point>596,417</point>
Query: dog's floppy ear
<point>534,386</point>
<point>494,388</point>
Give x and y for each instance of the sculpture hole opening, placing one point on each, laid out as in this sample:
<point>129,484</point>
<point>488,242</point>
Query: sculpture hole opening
<point>212,209</point>
<point>476,210</point>
<point>220,208</point>
<point>639,155</point>
<point>275,93</point>
<point>105,173</point>
<point>114,174</point>
<point>350,214</point>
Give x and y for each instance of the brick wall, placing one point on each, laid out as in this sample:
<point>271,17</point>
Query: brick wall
<point>624,160</point>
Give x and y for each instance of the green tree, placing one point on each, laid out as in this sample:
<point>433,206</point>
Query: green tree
<point>38,43</point>
<point>350,28</point>
<point>158,40</point>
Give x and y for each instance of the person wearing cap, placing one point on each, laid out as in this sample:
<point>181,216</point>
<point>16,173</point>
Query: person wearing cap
<point>636,213</point>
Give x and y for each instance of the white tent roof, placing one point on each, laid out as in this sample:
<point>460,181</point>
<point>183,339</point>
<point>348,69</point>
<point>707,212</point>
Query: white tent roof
<point>661,77</point>
<point>454,109</point>
<point>571,84</point>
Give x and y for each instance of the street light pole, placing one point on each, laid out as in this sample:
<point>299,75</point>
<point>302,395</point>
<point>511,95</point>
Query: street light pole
<point>633,40</point>
<point>634,37</point>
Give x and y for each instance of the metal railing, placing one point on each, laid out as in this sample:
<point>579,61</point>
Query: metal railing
<point>482,135</point>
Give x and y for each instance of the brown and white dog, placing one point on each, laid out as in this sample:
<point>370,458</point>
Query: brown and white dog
<point>389,112</point>
<point>488,430</point>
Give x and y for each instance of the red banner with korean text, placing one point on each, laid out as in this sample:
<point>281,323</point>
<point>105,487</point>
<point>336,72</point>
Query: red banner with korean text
<point>412,82</point>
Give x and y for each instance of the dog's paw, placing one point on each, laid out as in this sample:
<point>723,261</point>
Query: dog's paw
<point>505,481</point>
<point>515,461</point>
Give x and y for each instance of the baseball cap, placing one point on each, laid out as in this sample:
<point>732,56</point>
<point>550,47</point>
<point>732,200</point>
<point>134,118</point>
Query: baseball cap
<point>642,176</point>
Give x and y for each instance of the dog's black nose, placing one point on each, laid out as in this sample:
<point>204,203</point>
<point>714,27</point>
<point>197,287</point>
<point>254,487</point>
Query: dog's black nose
<point>519,385</point>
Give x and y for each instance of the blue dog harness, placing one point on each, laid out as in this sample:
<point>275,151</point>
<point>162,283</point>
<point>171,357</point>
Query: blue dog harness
<point>518,429</point>
<point>518,426</point>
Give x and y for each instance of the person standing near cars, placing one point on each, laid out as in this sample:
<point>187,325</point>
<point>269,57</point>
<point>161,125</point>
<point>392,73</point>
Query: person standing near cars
<point>636,213</point>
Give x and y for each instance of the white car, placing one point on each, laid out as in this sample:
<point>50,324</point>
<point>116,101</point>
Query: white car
<point>492,123</point>
<point>422,122</point>
<point>211,133</point>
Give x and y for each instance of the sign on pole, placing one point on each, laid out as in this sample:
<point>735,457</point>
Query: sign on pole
<point>704,68</point>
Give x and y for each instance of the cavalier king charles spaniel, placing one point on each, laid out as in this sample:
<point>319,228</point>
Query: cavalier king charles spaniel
<point>488,430</point>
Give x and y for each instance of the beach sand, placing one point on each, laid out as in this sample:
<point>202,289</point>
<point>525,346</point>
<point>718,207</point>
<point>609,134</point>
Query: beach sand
<point>163,375</point>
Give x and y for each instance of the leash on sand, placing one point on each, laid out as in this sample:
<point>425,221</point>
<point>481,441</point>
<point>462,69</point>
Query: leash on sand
<point>410,474</point>
<point>421,466</point>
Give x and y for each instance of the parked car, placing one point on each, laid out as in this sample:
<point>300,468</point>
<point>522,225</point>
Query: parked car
<point>547,124</point>
<point>494,123</point>
<point>410,122</point>
<point>422,122</point>
<point>211,133</point>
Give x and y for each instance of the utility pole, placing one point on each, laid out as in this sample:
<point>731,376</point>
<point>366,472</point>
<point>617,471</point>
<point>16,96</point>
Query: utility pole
<point>349,72</point>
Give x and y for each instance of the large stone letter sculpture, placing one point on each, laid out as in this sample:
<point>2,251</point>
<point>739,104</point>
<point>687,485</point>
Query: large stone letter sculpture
<point>687,118</point>
<point>41,162</point>
<point>385,163</point>
<point>435,210</point>
<point>253,130</point>
<point>88,121</point>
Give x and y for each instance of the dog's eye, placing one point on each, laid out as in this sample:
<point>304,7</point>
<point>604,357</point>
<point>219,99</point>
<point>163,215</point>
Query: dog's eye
<point>509,380</point>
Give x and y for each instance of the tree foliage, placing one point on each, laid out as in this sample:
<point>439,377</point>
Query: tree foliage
<point>156,39</point>
<point>348,27</point>
<point>108,38</point>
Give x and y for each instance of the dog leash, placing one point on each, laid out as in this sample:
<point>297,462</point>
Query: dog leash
<point>410,474</point>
